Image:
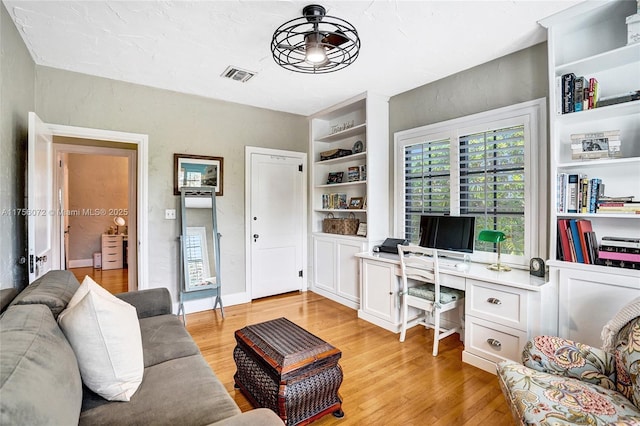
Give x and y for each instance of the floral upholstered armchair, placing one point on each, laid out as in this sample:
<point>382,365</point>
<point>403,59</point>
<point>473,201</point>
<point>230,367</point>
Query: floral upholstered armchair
<point>568,383</point>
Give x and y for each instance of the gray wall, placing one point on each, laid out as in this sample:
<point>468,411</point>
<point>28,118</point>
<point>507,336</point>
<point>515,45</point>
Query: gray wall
<point>511,79</point>
<point>175,123</point>
<point>17,72</point>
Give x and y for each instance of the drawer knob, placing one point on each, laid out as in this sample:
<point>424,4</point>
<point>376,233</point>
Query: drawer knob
<point>494,301</point>
<point>495,343</point>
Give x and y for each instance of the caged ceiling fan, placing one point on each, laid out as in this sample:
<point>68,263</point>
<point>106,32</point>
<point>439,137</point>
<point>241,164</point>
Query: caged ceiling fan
<point>315,43</point>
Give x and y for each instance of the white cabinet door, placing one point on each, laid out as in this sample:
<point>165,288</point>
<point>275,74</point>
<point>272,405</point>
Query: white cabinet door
<point>324,264</point>
<point>348,269</point>
<point>380,293</point>
<point>587,300</point>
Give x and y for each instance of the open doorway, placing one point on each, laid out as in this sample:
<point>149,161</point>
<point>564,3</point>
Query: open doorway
<point>96,191</point>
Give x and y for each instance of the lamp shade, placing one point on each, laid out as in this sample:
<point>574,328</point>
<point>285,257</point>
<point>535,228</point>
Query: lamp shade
<point>490,236</point>
<point>119,220</point>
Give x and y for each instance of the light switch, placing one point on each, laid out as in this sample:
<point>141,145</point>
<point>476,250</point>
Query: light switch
<point>170,214</point>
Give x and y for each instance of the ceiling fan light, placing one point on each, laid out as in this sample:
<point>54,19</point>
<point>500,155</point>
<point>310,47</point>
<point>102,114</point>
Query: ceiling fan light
<point>315,55</point>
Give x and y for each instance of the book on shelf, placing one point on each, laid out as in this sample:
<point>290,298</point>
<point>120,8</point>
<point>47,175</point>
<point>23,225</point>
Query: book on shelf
<point>563,241</point>
<point>619,264</point>
<point>584,227</point>
<point>615,255</point>
<point>621,242</point>
<point>568,92</point>
<point>572,193</point>
<point>605,247</point>
<point>578,97</point>
<point>594,93</point>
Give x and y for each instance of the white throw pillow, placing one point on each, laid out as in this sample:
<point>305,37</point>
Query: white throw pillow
<point>104,333</point>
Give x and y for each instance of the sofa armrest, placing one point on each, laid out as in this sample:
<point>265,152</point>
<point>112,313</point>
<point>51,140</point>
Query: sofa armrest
<point>258,416</point>
<point>562,357</point>
<point>149,303</point>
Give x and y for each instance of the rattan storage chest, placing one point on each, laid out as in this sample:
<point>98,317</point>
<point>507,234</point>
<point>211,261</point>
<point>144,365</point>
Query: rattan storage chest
<point>285,368</point>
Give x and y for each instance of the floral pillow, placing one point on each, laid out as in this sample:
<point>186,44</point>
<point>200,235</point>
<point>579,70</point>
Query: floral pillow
<point>627,356</point>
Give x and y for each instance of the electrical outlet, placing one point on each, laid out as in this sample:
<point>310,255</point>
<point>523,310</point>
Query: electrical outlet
<point>170,214</point>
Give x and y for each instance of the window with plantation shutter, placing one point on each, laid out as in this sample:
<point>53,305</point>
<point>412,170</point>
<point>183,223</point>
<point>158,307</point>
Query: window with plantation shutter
<point>492,184</point>
<point>426,184</point>
<point>488,165</point>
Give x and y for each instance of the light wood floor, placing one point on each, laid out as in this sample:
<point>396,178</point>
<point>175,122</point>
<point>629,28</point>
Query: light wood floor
<point>385,382</point>
<point>113,280</point>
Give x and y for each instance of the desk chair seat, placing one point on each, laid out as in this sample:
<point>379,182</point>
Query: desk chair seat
<point>421,264</point>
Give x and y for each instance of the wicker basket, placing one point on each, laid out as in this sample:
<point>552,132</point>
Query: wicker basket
<point>342,226</point>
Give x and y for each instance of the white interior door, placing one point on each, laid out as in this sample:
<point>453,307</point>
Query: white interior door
<point>39,198</point>
<point>277,223</point>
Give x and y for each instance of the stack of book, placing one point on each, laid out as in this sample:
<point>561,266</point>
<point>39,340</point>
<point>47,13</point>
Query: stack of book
<point>577,93</point>
<point>620,252</point>
<point>618,205</point>
<point>576,241</point>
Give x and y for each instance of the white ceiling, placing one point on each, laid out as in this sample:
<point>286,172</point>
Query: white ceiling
<point>184,46</point>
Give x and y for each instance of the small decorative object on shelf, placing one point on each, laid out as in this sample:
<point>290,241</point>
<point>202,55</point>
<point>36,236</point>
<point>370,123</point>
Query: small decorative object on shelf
<point>353,174</point>
<point>363,172</point>
<point>536,267</point>
<point>341,127</point>
<point>595,145</point>
<point>633,28</point>
<point>356,202</point>
<point>335,177</point>
<point>358,147</point>
<point>334,153</point>
<point>362,230</point>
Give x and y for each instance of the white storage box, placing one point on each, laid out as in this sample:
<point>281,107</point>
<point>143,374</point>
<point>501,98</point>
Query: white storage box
<point>97,260</point>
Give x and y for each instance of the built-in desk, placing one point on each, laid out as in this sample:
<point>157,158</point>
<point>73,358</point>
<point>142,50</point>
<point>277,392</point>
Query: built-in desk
<point>502,309</point>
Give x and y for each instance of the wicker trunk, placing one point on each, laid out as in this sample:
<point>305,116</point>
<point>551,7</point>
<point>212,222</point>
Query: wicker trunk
<point>289,370</point>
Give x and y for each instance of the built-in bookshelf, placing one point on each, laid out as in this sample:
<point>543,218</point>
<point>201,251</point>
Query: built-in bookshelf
<point>590,40</point>
<point>595,143</point>
<point>349,155</point>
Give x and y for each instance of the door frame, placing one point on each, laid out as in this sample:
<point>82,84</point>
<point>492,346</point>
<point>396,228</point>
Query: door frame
<point>130,155</point>
<point>302,156</point>
<point>142,179</point>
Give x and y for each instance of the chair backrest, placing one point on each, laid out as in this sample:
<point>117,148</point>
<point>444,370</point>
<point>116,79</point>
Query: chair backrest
<point>421,264</point>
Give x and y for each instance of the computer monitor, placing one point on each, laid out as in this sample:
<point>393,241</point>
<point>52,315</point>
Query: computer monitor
<point>452,233</point>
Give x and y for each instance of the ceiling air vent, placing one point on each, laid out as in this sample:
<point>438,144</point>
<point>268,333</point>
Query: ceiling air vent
<point>237,74</point>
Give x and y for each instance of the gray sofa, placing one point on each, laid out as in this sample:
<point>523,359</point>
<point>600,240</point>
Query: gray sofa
<point>40,380</point>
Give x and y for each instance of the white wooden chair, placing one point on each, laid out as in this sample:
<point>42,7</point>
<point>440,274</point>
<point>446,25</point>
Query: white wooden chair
<point>421,264</point>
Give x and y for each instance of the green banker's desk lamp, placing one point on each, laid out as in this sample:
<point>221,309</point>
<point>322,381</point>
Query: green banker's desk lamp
<point>495,237</point>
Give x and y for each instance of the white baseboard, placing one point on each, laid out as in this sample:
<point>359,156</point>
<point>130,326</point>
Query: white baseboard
<point>80,263</point>
<point>206,303</point>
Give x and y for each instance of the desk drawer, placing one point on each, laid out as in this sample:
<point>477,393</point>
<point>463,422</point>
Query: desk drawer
<point>492,341</point>
<point>500,304</point>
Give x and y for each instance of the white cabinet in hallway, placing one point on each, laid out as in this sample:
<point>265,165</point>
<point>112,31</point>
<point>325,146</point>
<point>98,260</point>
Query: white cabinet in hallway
<point>112,251</point>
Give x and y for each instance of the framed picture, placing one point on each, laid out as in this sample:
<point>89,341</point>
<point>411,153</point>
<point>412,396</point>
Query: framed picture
<point>197,170</point>
<point>362,229</point>
<point>335,177</point>
<point>356,202</point>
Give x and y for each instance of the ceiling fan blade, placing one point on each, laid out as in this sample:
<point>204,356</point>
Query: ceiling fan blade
<point>288,46</point>
<point>335,39</point>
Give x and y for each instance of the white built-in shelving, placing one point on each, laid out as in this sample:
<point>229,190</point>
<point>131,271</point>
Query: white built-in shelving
<point>335,270</point>
<point>590,40</point>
